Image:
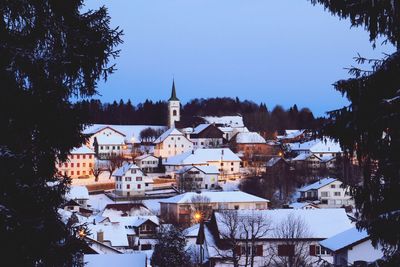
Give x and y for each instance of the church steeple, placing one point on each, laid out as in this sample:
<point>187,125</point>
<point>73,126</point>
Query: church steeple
<point>173,93</point>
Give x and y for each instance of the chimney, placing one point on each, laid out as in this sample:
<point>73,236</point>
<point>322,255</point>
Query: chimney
<point>100,236</point>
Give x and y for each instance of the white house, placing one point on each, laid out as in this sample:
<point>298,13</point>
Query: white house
<point>206,136</point>
<point>109,140</point>
<point>319,147</point>
<point>329,193</point>
<point>351,246</point>
<point>131,181</point>
<point>171,143</point>
<point>286,234</point>
<point>79,194</point>
<point>79,163</point>
<point>197,177</point>
<point>227,162</point>
<point>229,125</point>
<point>180,208</point>
<point>147,163</point>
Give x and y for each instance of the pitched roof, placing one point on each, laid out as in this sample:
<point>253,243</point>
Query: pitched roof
<point>202,156</point>
<point>215,197</point>
<point>173,93</point>
<point>345,239</point>
<point>201,127</point>
<point>82,150</point>
<point>124,168</point>
<point>110,140</point>
<point>273,161</point>
<point>249,138</point>
<point>122,260</point>
<point>319,223</point>
<point>231,121</point>
<point>317,185</point>
<point>125,209</point>
<point>144,156</point>
<point>171,131</point>
<point>203,169</point>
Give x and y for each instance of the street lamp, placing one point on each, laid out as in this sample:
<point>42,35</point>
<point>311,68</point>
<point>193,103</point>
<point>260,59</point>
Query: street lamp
<point>197,216</point>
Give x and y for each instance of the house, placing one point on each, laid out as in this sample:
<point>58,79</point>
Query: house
<point>328,192</point>
<point>319,147</point>
<point>79,163</point>
<point>180,209</point>
<point>78,194</point>
<point>107,140</point>
<point>249,143</point>
<point>125,210</point>
<point>126,233</point>
<point>206,136</point>
<point>229,125</point>
<point>227,162</point>
<point>147,163</point>
<point>280,236</point>
<point>302,205</point>
<point>351,246</point>
<point>171,143</point>
<point>277,166</point>
<point>292,136</point>
<point>191,178</point>
<point>314,162</point>
<point>131,181</point>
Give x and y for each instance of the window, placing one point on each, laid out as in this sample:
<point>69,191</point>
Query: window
<point>236,207</point>
<point>336,194</point>
<point>90,156</point>
<point>231,163</point>
<point>66,164</point>
<point>222,164</point>
<point>139,186</point>
<point>77,156</point>
<point>84,164</point>
<point>128,179</point>
<point>84,156</point>
<point>84,172</point>
<point>72,164</point>
<point>231,169</point>
<point>101,147</point>
<point>179,138</point>
<point>285,250</point>
<point>72,172</point>
<point>146,247</point>
<point>138,179</point>
<point>77,164</point>
<point>90,165</point>
<point>174,112</point>
<point>66,173</point>
<point>172,138</point>
<point>133,171</point>
<point>324,194</point>
<point>78,172</point>
<point>128,186</point>
<point>333,186</point>
<point>60,165</point>
<point>72,156</point>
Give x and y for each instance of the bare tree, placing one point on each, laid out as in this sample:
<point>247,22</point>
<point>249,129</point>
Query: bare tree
<point>115,161</point>
<point>255,225</point>
<point>96,171</point>
<point>188,182</point>
<point>294,249</point>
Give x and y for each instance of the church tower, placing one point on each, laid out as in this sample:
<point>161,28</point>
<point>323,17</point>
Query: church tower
<point>174,108</point>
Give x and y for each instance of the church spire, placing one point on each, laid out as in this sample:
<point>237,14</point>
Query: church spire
<point>173,93</point>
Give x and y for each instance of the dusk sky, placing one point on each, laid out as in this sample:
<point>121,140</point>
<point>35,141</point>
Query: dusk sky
<point>274,51</point>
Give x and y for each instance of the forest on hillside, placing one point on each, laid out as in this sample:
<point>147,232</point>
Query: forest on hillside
<point>257,117</point>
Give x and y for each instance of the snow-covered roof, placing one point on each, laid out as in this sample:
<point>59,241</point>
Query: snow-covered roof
<point>125,209</point>
<point>344,239</point>
<point>300,205</point>
<point>136,259</point>
<point>131,132</point>
<point>116,233</point>
<point>144,156</point>
<point>192,231</point>
<point>110,139</point>
<point>250,138</point>
<point>199,128</point>
<point>125,167</point>
<point>319,223</point>
<point>134,221</point>
<point>292,133</point>
<point>82,150</point>
<point>77,192</point>
<point>231,121</point>
<point>202,156</point>
<point>325,145</point>
<point>215,197</point>
<point>171,131</point>
<point>301,157</point>
<point>317,185</point>
<point>204,169</point>
<point>273,161</point>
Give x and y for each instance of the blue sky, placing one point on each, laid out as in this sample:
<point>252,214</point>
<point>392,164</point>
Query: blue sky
<point>274,51</point>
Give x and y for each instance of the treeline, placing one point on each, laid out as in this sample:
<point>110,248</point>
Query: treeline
<point>257,117</point>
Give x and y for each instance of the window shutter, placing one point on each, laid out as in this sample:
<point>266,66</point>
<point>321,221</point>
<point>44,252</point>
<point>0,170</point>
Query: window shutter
<point>312,250</point>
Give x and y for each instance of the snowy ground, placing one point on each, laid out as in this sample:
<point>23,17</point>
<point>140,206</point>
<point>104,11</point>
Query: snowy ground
<point>103,178</point>
<point>230,185</point>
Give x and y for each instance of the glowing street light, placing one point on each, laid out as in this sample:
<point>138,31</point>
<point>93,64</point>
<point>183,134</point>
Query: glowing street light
<point>197,216</point>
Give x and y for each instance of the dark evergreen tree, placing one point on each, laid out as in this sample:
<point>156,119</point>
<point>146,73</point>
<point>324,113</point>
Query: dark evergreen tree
<point>370,125</point>
<point>50,51</point>
<point>170,248</point>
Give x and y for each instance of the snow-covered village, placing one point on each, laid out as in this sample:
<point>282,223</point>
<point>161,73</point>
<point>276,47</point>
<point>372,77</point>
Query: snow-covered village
<point>200,133</point>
